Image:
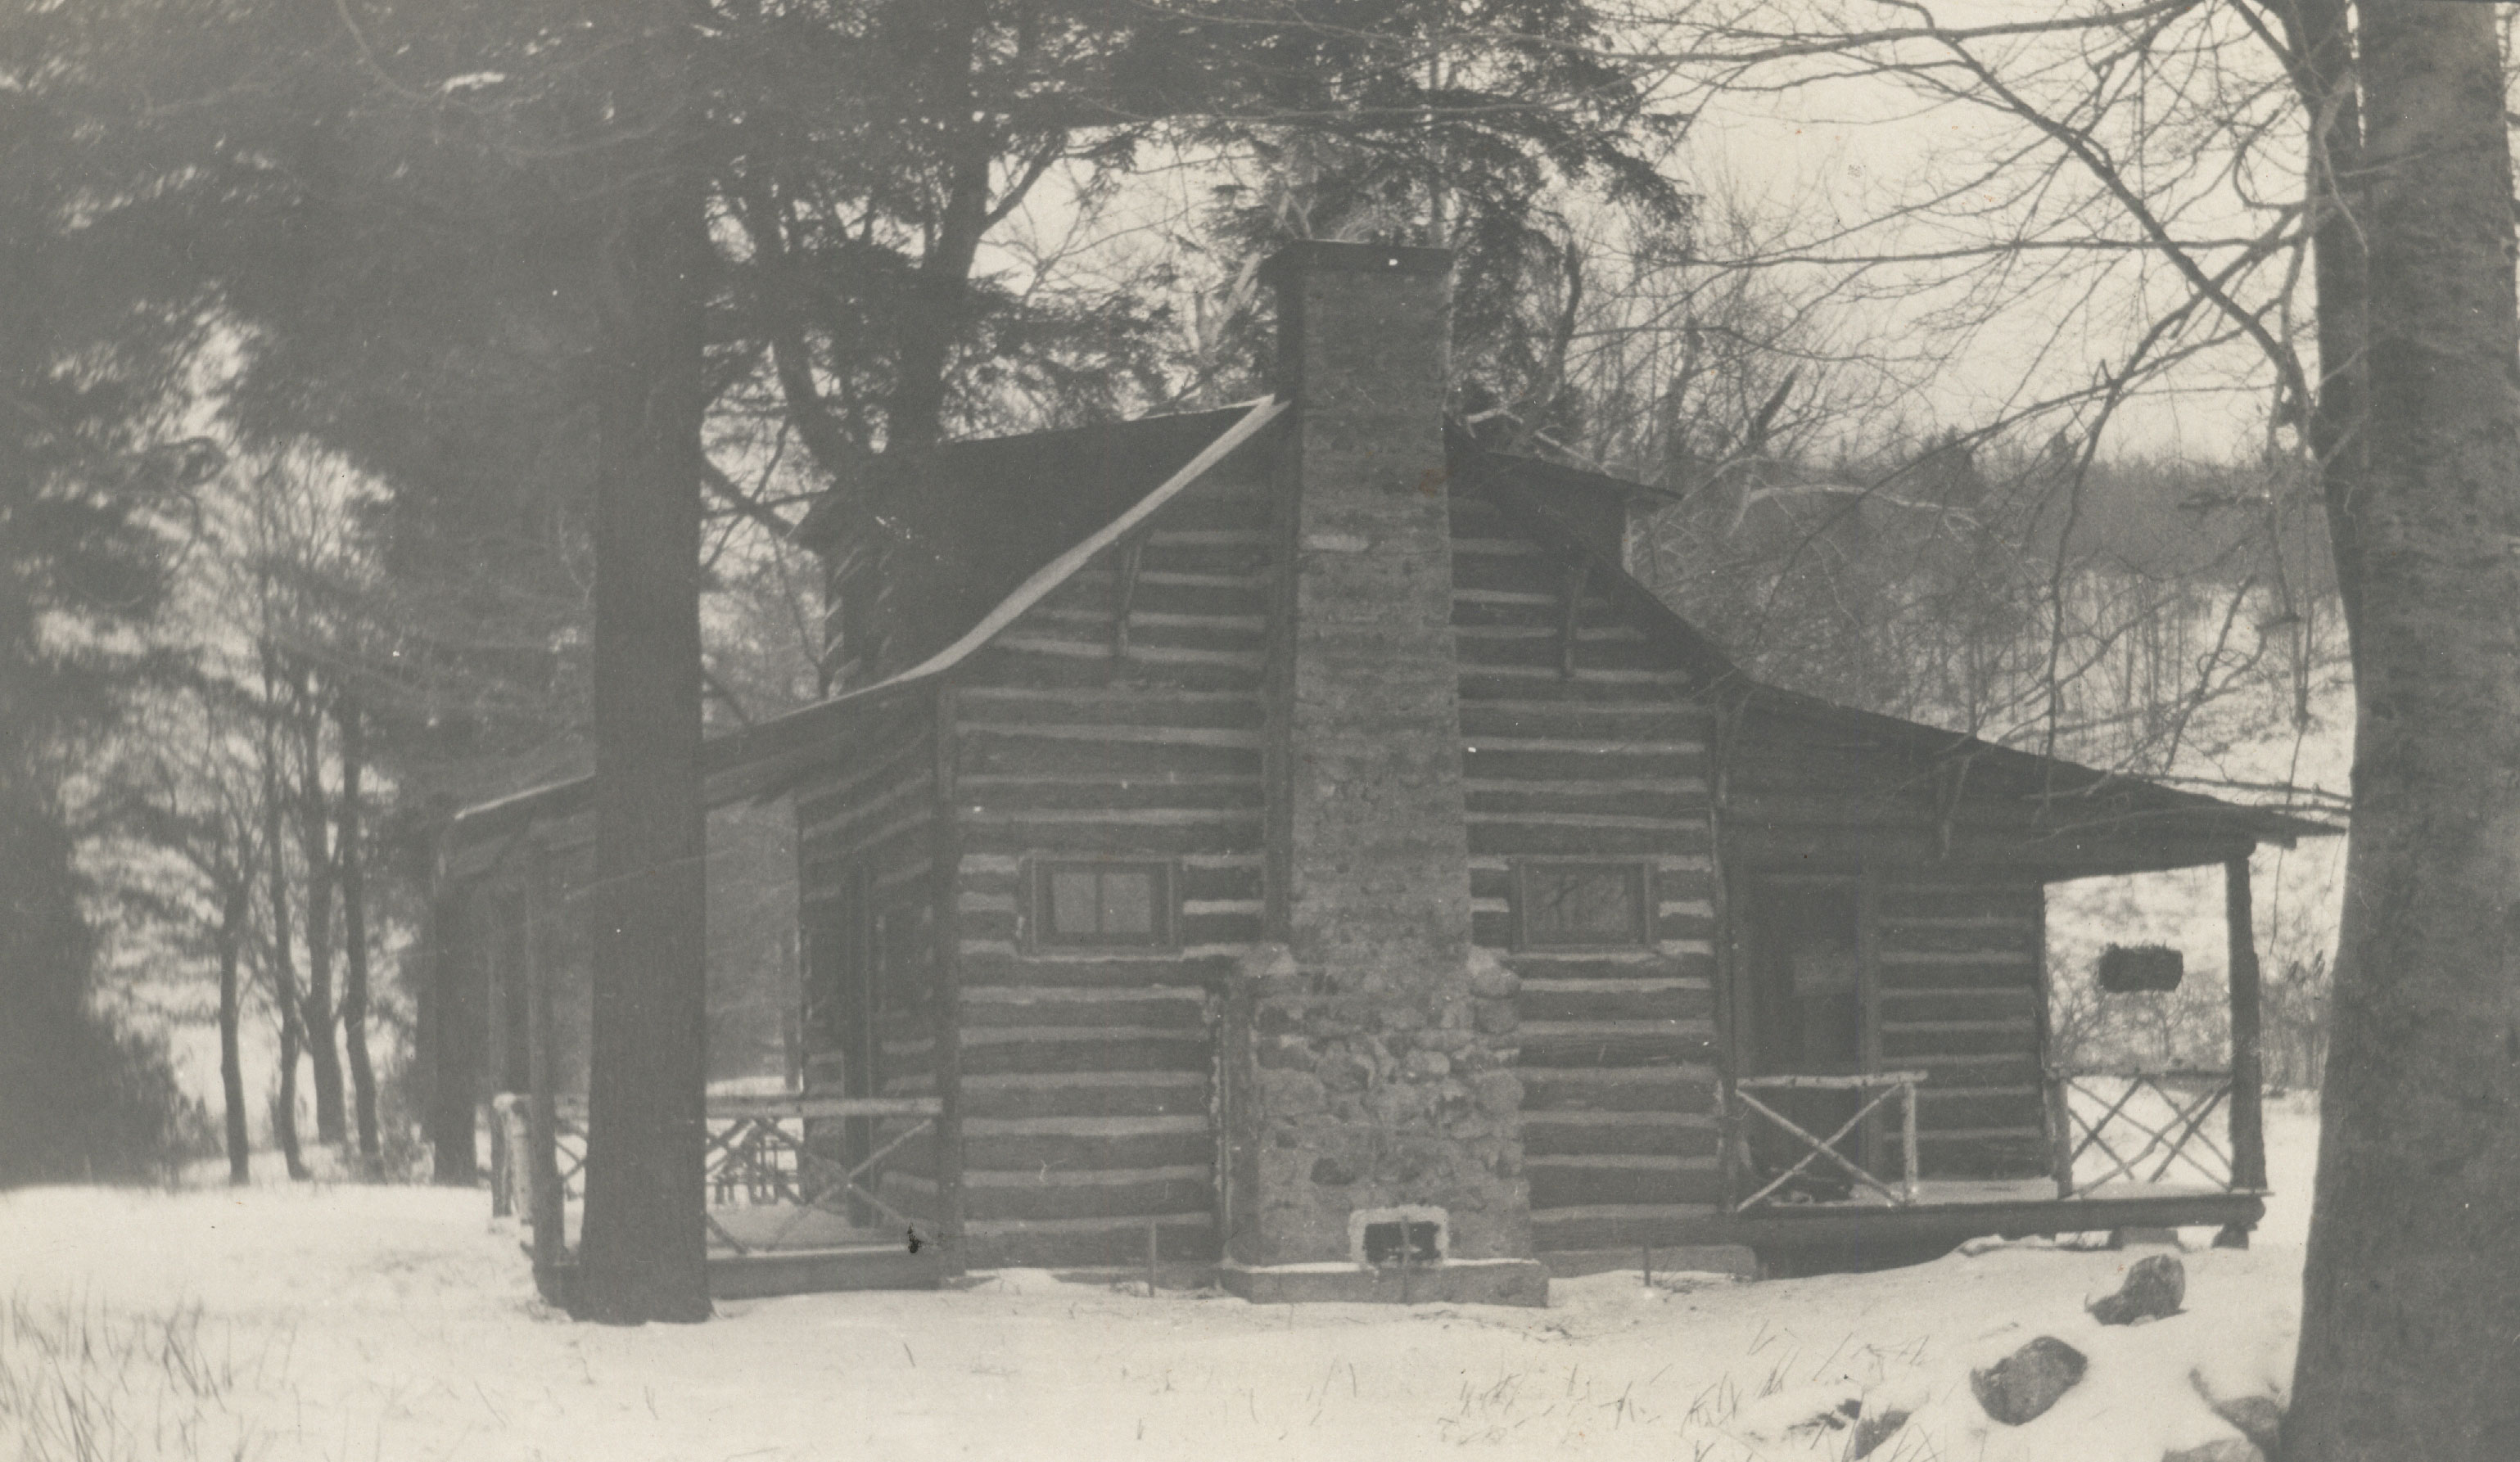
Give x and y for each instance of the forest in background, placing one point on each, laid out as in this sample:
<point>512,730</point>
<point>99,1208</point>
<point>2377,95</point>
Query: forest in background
<point>297,471</point>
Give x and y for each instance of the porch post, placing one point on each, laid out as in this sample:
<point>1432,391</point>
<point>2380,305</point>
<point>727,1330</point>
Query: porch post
<point>946,869</point>
<point>550,1205</point>
<point>2248,1123</point>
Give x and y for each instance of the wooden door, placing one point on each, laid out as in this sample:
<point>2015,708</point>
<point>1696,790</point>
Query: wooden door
<point>1804,1009</point>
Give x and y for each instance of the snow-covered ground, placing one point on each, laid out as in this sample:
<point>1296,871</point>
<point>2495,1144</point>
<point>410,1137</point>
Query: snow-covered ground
<point>349,1322</point>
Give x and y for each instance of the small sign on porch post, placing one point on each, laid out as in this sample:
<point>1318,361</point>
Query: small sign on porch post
<point>2131,969</point>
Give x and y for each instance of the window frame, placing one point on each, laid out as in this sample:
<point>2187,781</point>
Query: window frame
<point>1039,935</point>
<point>1639,873</point>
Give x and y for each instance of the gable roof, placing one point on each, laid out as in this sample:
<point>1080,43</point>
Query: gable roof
<point>1094,483</point>
<point>759,758</point>
<point>1585,515</point>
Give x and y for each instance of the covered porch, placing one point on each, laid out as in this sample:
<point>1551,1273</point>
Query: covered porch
<point>1826,1170</point>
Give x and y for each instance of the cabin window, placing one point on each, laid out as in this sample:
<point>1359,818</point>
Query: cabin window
<point>1101,904</point>
<point>1582,905</point>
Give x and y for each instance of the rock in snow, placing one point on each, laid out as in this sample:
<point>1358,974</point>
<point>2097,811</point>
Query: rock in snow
<point>2152,1291</point>
<point>2023,1385</point>
<point>2228,1449</point>
<point>2259,1418</point>
<point>1874,1429</point>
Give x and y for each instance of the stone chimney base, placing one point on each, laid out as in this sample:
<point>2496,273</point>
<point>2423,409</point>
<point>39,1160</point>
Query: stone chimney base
<point>1453,1281</point>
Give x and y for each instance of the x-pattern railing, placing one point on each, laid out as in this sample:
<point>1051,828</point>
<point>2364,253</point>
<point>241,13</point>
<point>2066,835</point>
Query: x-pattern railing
<point>756,1149</point>
<point>761,1155</point>
<point>1885,1086</point>
<point>2191,1098</point>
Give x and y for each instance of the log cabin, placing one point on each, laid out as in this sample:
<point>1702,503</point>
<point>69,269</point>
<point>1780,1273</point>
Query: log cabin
<point>1287,839</point>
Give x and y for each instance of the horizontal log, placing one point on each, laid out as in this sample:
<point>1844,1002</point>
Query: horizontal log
<point>1501,541</point>
<point>1489,654</point>
<point>1480,608</point>
<point>981,1008</point>
<point>1097,649</point>
<point>1660,1088</point>
<point>2020,1155</point>
<point>1682,882</point>
<point>1616,1000</point>
<point>1005,966</point>
<point>1652,1134</point>
<point>1524,683</point>
<point>1110,751</point>
<point>2017,1109</point>
<point>1916,1007</point>
<point>2018,940</point>
<point>1008,1050</point>
<point>1021,1153</point>
<point>1626,1227</point>
<point>767,1108</point>
<point>1957,1038</point>
<point>1006,795</point>
<point>1196,880</point>
<point>1088,1094</point>
<point>1216,834</point>
<point>1238,926</point>
<point>999,665</point>
<point>1978,1072</point>
<point>1678,800</point>
<point>1945,976</point>
<point>1640,965</point>
<point>1659,719</point>
<point>1579,1182</point>
<point>995,706</point>
<point>1113,1241</point>
<point>1569,838</point>
<point>1085,1196</point>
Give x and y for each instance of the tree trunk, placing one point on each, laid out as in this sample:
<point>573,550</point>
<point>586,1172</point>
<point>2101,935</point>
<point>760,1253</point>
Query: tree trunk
<point>2340,277</point>
<point>314,834</point>
<point>284,968</point>
<point>2408,1345</point>
<point>449,1045</point>
<point>234,901</point>
<point>355,930</point>
<point>643,1256</point>
<point>933,306</point>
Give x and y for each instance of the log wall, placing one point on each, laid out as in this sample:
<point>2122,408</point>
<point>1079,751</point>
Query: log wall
<point>1961,961</point>
<point>1087,1077</point>
<point>1591,748</point>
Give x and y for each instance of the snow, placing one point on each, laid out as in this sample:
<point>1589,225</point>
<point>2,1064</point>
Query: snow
<point>341,1321</point>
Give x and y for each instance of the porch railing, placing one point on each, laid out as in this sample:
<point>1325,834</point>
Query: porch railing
<point>1743,1109</point>
<point>2170,1110</point>
<point>756,1156</point>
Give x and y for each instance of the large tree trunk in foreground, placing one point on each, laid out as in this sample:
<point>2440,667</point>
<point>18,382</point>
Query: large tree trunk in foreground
<point>2410,1323</point>
<point>643,1257</point>
<point>355,930</point>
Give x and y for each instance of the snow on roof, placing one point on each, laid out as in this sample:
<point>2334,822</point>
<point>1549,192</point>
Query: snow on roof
<point>786,744</point>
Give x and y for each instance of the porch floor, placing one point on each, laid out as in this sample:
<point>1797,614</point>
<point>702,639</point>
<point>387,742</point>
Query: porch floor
<point>1955,1192</point>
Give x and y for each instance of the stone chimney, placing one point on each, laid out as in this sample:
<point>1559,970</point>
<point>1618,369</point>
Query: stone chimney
<point>1371,1116</point>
